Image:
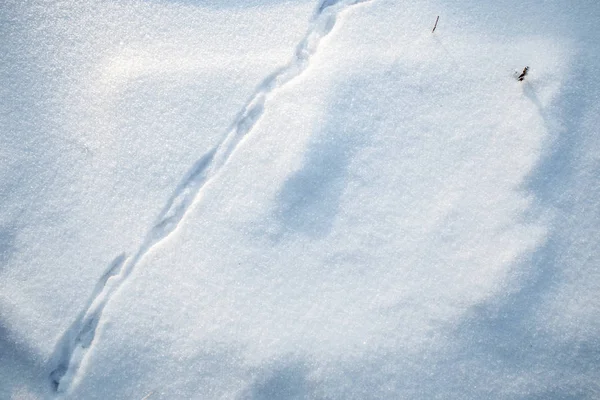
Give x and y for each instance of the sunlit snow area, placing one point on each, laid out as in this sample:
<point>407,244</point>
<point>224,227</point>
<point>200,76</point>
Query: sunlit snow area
<point>299,199</point>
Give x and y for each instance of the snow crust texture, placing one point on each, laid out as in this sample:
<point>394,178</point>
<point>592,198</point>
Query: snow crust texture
<point>299,200</point>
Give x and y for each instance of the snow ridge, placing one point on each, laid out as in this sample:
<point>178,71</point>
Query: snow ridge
<point>77,340</point>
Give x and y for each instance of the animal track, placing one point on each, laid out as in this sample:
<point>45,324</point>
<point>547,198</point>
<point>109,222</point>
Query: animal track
<point>81,332</point>
<point>77,340</point>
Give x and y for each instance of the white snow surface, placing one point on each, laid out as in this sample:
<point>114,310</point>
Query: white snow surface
<point>273,199</point>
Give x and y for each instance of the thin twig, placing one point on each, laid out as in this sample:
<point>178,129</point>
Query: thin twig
<point>148,395</point>
<point>436,21</point>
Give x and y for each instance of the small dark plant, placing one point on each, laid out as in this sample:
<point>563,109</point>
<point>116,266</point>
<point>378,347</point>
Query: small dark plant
<point>523,74</point>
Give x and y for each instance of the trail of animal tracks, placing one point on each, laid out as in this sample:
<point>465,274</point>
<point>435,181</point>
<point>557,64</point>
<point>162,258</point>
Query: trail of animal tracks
<point>79,338</point>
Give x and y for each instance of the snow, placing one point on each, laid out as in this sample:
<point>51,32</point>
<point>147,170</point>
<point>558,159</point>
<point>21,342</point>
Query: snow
<point>281,200</point>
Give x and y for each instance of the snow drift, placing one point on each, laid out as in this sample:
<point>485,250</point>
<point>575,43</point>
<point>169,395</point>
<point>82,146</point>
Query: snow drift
<point>278,200</point>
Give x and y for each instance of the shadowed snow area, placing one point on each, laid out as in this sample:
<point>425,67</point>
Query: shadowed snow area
<point>299,200</point>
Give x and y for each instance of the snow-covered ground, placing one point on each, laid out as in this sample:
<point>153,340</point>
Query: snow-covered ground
<point>273,199</point>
